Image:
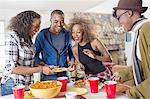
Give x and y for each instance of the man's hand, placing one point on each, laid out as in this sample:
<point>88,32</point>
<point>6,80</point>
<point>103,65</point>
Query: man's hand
<point>52,67</point>
<point>47,70</point>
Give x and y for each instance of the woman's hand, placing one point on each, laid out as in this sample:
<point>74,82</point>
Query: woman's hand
<point>71,63</point>
<point>89,53</point>
<point>116,77</point>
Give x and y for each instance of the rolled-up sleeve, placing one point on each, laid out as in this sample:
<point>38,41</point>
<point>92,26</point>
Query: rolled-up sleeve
<point>141,91</point>
<point>11,52</point>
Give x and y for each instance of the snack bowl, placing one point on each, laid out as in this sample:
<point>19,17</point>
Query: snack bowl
<point>45,89</point>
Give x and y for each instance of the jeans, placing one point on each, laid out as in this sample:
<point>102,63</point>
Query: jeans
<point>6,88</point>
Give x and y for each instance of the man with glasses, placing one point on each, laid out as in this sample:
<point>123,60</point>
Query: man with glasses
<point>118,17</point>
<point>128,13</point>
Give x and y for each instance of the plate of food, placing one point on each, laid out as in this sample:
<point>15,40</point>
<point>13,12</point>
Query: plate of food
<point>80,84</point>
<point>79,91</point>
<point>70,69</point>
<point>62,69</point>
<point>59,69</point>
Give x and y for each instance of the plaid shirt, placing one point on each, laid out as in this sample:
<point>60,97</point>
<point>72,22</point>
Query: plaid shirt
<point>17,53</point>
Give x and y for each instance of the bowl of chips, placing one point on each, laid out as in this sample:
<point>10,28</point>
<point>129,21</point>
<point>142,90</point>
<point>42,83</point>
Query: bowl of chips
<point>45,89</point>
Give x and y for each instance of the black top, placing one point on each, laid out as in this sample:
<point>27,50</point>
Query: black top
<point>92,66</point>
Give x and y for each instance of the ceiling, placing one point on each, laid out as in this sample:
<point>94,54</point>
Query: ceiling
<point>96,6</point>
<point>46,5</point>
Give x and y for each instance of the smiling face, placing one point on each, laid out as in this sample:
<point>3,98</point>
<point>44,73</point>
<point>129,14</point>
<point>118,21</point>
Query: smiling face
<point>124,18</point>
<point>35,26</point>
<point>57,22</point>
<point>77,33</point>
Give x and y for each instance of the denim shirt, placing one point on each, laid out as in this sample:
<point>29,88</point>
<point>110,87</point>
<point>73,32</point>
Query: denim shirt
<point>49,54</point>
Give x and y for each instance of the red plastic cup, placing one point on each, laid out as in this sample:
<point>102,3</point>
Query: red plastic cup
<point>63,80</point>
<point>94,84</point>
<point>18,92</point>
<point>110,89</point>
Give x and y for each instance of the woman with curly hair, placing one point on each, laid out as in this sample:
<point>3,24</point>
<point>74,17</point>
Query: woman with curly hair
<point>20,51</point>
<point>88,50</point>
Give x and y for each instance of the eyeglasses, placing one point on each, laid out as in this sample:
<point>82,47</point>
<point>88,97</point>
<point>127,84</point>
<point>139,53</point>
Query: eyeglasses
<point>121,15</point>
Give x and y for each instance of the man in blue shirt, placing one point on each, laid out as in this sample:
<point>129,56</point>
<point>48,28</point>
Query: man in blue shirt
<point>54,45</point>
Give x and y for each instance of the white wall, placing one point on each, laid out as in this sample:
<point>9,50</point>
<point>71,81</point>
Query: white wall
<point>7,14</point>
<point>107,7</point>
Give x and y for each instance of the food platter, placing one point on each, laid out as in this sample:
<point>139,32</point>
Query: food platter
<point>59,69</point>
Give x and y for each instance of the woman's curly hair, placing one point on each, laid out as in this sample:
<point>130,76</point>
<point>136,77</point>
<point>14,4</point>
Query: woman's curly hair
<point>22,24</point>
<point>86,26</point>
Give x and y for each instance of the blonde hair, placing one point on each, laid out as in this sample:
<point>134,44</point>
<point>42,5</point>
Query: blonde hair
<point>85,26</point>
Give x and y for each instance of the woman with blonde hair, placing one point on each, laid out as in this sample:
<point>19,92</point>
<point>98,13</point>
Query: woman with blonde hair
<point>89,51</point>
